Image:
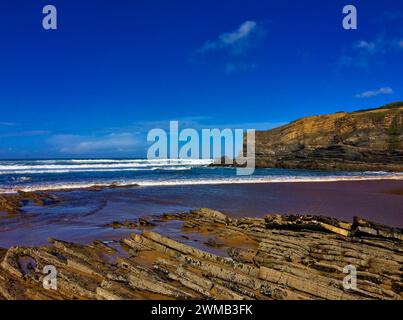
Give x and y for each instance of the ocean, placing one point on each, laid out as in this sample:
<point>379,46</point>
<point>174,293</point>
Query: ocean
<point>51,174</point>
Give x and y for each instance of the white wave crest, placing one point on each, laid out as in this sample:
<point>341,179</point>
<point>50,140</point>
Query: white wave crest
<point>94,170</point>
<point>184,182</point>
<point>100,165</point>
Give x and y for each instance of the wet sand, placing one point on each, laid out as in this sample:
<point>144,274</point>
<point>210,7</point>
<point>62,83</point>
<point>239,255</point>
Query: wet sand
<point>83,215</point>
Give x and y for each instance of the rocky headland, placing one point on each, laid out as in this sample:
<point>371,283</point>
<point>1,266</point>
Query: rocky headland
<point>360,141</point>
<point>276,257</point>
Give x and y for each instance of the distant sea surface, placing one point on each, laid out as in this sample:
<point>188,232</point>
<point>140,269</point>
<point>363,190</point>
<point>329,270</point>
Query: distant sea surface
<point>31,175</point>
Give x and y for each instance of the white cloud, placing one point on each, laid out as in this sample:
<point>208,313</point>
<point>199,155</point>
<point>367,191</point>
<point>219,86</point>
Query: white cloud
<point>132,140</point>
<point>127,141</point>
<point>237,41</point>
<point>373,93</point>
<point>369,46</point>
<point>364,53</point>
<point>76,144</point>
<point>8,124</point>
<point>243,31</point>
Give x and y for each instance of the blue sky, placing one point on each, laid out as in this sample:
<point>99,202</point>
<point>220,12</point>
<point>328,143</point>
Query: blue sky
<point>115,69</point>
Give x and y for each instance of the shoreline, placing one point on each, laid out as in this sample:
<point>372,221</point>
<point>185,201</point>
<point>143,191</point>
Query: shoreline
<point>179,183</point>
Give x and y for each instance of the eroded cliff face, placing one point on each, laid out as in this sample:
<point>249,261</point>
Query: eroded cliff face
<point>362,140</point>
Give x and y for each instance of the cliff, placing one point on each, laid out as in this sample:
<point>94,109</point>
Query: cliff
<point>362,140</point>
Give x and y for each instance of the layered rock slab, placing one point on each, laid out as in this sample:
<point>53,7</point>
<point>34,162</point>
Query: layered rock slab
<point>292,257</point>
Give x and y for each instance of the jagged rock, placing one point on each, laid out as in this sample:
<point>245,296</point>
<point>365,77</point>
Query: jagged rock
<point>13,203</point>
<point>145,223</point>
<point>299,222</point>
<point>39,198</point>
<point>210,214</point>
<point>365,227</point>
<point>10,204</point>
<point>127,224</point>
<point>281,262</point>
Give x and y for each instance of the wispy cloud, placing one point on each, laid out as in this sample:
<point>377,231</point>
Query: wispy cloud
<point>124,141</point>
<point>31,133</point>
<point>8,124</point>
<point>77,144</point>
<point>236,42</point>
<point>233,51</point>
<point>363,53</point>
<point>368,46</point>
<point>133,139</point>
<point>117,141</point>
<point>373,93</point>
<point>377,49</point>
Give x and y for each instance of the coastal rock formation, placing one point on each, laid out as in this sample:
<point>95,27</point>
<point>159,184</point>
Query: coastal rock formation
<point>13,203</point>
<point>258,259</point>
<point>361,140</point>
<point>122,225</point>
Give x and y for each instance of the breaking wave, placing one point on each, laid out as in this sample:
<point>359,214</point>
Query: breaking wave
<point>67,174</point>
<point>97,165</point>
<point>185,182</point>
